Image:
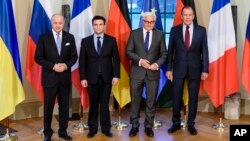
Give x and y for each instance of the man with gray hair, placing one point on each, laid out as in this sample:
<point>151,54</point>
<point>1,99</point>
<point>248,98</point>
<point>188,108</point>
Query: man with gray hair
<point>56,53</point>
<point>146,49</point>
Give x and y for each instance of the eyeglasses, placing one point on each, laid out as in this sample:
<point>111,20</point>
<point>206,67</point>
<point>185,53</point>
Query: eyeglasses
<point>148,22</point>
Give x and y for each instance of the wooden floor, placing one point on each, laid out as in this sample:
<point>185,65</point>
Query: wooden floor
<point>27,129</point>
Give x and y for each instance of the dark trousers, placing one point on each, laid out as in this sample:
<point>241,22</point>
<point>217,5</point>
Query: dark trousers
<point>193,90</point>
<point>136,87</point>
<point>99,95</point>
<point>50,94</point>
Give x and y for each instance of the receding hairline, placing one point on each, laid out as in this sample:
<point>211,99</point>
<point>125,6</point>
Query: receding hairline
<point>55,15</point>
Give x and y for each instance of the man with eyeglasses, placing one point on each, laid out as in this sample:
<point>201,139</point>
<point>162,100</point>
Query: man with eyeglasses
<point>146,49</point>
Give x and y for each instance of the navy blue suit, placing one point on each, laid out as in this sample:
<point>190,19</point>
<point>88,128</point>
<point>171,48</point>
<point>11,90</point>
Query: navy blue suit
<point>187,64</point>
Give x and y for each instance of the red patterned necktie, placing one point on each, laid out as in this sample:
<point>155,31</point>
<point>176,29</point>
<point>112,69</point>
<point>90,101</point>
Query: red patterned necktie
<point>187,38</point>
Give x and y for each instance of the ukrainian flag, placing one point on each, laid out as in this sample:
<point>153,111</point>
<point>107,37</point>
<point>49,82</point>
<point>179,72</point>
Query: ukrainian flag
<point>11,89</point>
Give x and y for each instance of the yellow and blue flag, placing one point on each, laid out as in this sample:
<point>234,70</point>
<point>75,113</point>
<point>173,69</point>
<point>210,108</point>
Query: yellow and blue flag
<point>11,88</point>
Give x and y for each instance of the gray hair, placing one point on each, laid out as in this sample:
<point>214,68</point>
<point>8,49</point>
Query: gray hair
<point>57,14</point>
<point>148,14</point>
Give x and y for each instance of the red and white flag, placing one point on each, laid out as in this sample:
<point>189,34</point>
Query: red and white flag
<point>223,75</point>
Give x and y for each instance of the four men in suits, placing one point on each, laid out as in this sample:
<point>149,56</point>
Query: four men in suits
<point>187,58</point>
<point>99,64</point>
<point>146,49</point>
<point>56,53</point>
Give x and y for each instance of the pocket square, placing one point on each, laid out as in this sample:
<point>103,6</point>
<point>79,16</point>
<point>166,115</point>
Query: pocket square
<point>67,44</point>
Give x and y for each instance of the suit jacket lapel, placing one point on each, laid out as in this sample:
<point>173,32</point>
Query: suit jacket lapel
<point>141,38</point>
<point>104,44</point>
<point>64,37</point>
<point>153,39</point>
<point>194,33</point>
<point>53,42</point>
<point>181,34</point>
<point>92,45</point>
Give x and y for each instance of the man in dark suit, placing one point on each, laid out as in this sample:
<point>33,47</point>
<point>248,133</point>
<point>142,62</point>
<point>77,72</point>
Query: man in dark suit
<point>187,58</point>
<point>56,53</point>
<point>146,49</point>
<point>99,64</point>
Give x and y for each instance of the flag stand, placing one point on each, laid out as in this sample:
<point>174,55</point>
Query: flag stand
<point>220,126</point>
<point>184,121</point>
<point>40,132</point>
<point>157,124</point>
<point>119,125</point>
<point>8,136</point>
<point>81,126</point>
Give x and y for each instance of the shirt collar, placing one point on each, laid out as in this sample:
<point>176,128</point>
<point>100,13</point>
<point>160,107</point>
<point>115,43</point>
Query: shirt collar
<point>55,33</point>
<point>99,35</point>
<point>190,26</point>
<point>145,31</point>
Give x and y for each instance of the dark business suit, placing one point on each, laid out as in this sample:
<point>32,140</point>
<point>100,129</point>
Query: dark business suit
<point>56,84</point>
<point>99,70</point>
<point>139,76</point>
<point>187,63</point>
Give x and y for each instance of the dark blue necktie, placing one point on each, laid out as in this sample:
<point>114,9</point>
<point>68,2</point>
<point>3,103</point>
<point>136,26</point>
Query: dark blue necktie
<point>146,41</point>
<point>98,45</point>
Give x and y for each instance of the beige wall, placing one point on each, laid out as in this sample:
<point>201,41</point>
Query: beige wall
<point>23,10</point>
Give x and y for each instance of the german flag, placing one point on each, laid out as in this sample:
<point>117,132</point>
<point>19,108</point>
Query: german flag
<point>118,25</point>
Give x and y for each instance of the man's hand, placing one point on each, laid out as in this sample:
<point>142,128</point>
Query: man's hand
<point>60,67</point>
<point>145,63</point>
<point>204,76</point>
<point>84,83</point>
<point>115,81</point>
<point>169,75</point>
<point>153,67</point>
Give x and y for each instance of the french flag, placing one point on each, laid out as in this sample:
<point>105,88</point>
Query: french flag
<point>80,27</point>
<point>40,24</point>
<point>223,75</point>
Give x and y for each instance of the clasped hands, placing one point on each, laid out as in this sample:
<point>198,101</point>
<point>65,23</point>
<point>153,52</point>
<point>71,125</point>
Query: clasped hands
<point>84,83</point>
<point>146,64</point>
<point>60,67</point>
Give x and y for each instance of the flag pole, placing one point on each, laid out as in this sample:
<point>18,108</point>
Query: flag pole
<point>120,125</point>
<point>157,124</point>
<point>184,121</point>
<point>220,126</point>
<point>8,136</point>
<point>81,126</point>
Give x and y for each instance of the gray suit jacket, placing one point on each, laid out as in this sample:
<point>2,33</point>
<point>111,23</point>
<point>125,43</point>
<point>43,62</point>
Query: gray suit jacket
<point>135,51</point>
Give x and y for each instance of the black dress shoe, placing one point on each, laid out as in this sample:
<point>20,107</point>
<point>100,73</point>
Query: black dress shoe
<point>133,132</point>
<point>174,128</point>
<point>192,130</point>
<point>65,136</point>
<point>107,133</point>
<point>90,135</point>
<point>149,132</point>
<point>47,138</point>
